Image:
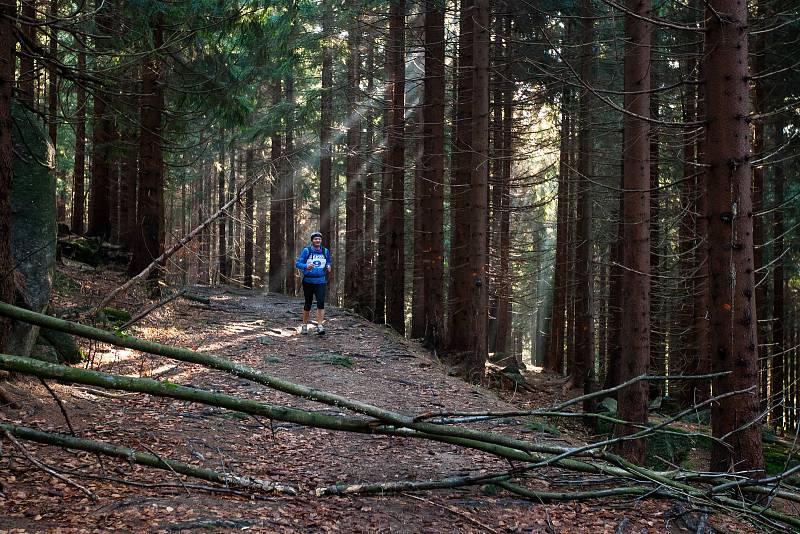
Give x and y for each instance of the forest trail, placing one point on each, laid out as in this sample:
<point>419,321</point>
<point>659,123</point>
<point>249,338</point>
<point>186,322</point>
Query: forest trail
<point>356,359</point>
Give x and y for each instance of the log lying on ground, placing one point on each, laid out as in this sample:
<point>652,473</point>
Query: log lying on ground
<point>249,373</point>
<point>667,485</point>
<point>507,446</point>
<point>279,413</point>
<point>197,298</point>
<point>147,459</point>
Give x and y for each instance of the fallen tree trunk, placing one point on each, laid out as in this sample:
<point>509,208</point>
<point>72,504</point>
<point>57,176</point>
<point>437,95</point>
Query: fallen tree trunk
<point>273,382</point>
<point>147,459</point>
<point>666,484</point>
<point>360,425</point>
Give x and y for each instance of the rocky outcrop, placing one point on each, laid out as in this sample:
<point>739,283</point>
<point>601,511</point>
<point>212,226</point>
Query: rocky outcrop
<point>33,224</point>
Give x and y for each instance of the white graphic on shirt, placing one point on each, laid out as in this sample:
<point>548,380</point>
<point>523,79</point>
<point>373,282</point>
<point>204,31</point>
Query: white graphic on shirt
<point>318,260</point>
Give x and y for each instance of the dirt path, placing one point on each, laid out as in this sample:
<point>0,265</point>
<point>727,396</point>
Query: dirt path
<point>354,358</point>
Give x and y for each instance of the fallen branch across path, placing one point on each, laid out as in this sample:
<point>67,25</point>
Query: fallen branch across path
<point>382,421</point>
<point>143,458</point>
<point>400,486</point>
<point>150,309</point>
<point>52,472</point>
<point>175,248</point>
<point>667,485</point>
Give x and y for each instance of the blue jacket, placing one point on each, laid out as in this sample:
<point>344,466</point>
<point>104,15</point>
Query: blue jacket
<point>321,259</point>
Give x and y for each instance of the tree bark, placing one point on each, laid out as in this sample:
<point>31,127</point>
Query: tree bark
<point>658,305</point>
<point>395,235</point>
<point>326,118</point>
<point>778,377</point>
<point>288,181</point>
<point>277,215</point>
<point>432,234</point>
<point>415,129</point>
<point>504,286</point>
<point>52,79</point>
<point>99,195</point>
<point>734,344</point>
<point>232,223</point>
<point>635,340</point>
<point>248,220</point>
<point>759,152</point>
<point>477,303</point>
<point>260,250</point>
<point>27,65</point>
<point>353,233</point>
<point>79,170</point>
<point>687,241</point>
<point>368,268</point>
<point>458,320</point>
<point>701,390</point>
<point>222,233</point>
<point>149,237</point>
<point>8,12</point>
<point>583,374</point>
<point>555,355</point>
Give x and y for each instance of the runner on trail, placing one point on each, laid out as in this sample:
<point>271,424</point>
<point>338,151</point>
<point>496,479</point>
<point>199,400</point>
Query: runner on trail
<point>315,264</point>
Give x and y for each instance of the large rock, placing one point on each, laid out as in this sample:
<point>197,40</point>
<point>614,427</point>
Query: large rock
<point>33,223</point>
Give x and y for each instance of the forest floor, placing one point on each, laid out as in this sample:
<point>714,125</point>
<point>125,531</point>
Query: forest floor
<point>355,358</point>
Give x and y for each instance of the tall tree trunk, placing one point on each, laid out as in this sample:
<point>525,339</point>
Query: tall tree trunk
<point>495,184</point>
<point>149,236</point>
<point>260,250</point>
<point>353,217</point>
<point>52,79</point>
<point>288,181</point>
<point>759,107</point>
<point>779,359</point>
<point>248,220</point>
<point>418,297</point>
<point>27,65</point>
<point>326,118</point>
<point>231,237</point>
<point>100,193</point>
<point>687,241</point>
<point>614,364</point>
<point>368,268</point>
<point>458,320</point>
<point>554,361</point>
<point>583,374</point>
<point>658,323</point>
<point>504,285</point>
<point>395,238</point>
<point>383,221</point>
<point>635,340</point>
<point>222,237</point>
<point>734,345</point>
<point>8,12</point>
<point>432,234</point>
<point>701,389</point>
<point>415,132</point>
<point>79,170</point>
<point>277,216</point>
<point>477,302</point>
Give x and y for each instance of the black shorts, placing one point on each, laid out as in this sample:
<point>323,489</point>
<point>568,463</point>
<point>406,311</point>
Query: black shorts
<point>311,291</point>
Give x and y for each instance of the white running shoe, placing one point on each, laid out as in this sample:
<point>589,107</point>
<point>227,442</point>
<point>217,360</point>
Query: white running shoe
<point>304,329</point>
<point>320,329</point>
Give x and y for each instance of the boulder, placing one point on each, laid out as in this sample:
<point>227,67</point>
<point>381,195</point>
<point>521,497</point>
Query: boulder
<point>64,345</point>
<point>33,223</point>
